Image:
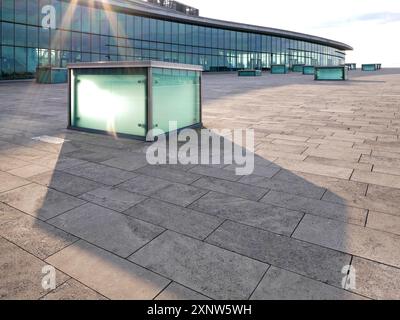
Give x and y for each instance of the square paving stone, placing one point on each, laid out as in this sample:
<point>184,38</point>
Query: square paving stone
<point>375,280</point>
<point>66,183</point>
<point>21,274</point>
<point>304,258</point>
<point>279,284</point>
<point>113,198</point>
<point>100,173</point>
<point>115,278</point>
<point>39,201</point>
<point>107,229</point>
<point>209,270</point>
<point>231,188</point>
<point>33,235</point>
<point>363,242</point>
<point>182,220</point>
<point>176,292</point>
<point>72,290</point>
<point>317,207</point>
<point>264,216</point>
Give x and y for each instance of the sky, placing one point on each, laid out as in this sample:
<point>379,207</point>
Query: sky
<point>371,27</point>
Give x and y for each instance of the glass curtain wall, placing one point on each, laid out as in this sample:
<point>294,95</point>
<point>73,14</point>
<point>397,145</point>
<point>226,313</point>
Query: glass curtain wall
<point>84,33</point>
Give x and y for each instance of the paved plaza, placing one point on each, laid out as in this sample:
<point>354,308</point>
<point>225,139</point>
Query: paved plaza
<point>321,209</point>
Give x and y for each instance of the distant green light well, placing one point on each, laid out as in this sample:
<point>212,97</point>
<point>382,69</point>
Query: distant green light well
<point>308,70</point>
<point>279,69</point>
<point>338,73</point>
<point>298,68</point>
<point>370,67</point>
<point>249,73</point>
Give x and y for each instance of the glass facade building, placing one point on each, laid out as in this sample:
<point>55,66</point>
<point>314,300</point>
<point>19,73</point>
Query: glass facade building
<point>56,32</point>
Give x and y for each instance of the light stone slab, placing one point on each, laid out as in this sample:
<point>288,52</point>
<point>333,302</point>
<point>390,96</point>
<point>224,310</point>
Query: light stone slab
<point>384,222</point>
<point>33,235</point>
<point>264,216</point>
<point>279,284</point>
<point>107,229</point>
<point>72,290</point>
<point>9,182</point>
<point>113,198</point>
<point>179,194</point>
<point>115,278</point>
<point>323,170</point>
<point>300,187</point>
<point>232,188</point>
<point>182,220</point>
<point>169,174</point>
<point>128,163</point>
<point>381,179</point>
<point>29,171</point>
<point>363,242</point>
<point>375,280</point>
<point>317,207</point>
<point>100,173</point>
<point>39,201</point>
<point>297,256</point>
<point>214,172</point>
<point>214,272</point>
<point>176,292</point>
<point>65,182</point>
<point>7,163</point>
<point>21,274</point>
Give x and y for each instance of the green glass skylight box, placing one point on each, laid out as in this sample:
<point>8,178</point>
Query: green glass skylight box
<point>370,67</point>
<point>49,75</point>
<point>308,70</point>
<point>132,98</point>
<point>297,67</point>
<point>279,69</point>
<point>336,73</point>
<point>351,66</point>
<point>249,73</point>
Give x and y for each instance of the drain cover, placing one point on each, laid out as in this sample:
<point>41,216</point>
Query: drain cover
<point>48,139</point>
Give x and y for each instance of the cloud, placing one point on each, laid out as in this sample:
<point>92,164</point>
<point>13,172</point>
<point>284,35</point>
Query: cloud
<point>383,17</point>
<point>379,17</point>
